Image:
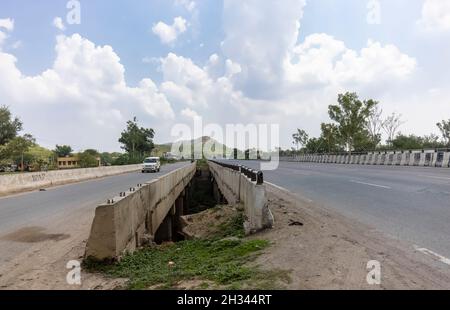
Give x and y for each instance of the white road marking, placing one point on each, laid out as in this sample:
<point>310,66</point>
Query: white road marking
<point>425,251</point>
<point>432,177</point>
<point>370,184</point>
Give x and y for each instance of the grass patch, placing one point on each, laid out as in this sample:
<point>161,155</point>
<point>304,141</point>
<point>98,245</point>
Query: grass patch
<point>233,228</point>
<point>220,261</point>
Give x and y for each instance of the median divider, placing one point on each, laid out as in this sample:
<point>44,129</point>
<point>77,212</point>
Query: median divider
<point>130,220</point>
<point>240,184</point>
<point>20,182</point>
<point>422,158</point>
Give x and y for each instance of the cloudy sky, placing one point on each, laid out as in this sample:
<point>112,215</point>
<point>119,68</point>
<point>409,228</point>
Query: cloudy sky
<point>230,61</point>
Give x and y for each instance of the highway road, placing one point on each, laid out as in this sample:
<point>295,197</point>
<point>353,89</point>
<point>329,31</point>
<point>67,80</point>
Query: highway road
<point>58,206</point>
<point>408,203</point>
<point>48,228</point>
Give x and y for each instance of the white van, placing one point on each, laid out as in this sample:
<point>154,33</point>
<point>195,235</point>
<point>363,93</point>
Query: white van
<point>151,164</point>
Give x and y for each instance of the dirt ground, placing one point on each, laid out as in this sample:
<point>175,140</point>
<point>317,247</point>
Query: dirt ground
<point>42,263</point>
<point>207,223</point>
<point>323,250</point>
<point>319,248</point>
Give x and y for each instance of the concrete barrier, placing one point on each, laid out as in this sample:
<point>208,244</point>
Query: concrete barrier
<point>238,188</point>
<point>419,159</point>
<point>423,158</point>
<point>21,182</point>
<point>124,223</point>
<point>430,159</point>
<point>446,160</point>
<point>442,160</point>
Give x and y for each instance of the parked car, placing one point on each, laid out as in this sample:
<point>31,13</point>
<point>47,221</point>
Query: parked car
<point>151,164</point>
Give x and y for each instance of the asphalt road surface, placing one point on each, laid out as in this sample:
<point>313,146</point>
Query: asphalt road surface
<point>43,209</point>
<point>408,203</point>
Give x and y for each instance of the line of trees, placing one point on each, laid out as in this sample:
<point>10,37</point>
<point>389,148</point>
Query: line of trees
<point>22,152</point>
<point>357,126</point>
<point>137,142</point>
<point>13,147</point>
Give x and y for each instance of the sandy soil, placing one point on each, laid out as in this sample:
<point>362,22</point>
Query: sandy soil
<point>207,223</point>
<point>42,264</point>
<point>324,250</point>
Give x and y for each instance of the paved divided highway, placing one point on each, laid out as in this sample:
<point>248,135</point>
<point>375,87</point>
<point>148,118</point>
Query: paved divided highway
<point>408,203</point>
<point>28,208</point>
<point>61,205</point>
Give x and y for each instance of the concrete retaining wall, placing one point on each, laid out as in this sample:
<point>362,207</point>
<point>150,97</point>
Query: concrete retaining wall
<point>237,188</point>
<point>20,182</point>
<point>123,225</point>
<point>426,158</point>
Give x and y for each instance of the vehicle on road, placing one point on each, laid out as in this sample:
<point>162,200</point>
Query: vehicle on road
<point>151,164</point>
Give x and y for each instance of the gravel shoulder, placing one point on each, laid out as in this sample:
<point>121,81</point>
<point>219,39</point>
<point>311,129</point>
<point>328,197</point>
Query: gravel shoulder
<point>324,250</point>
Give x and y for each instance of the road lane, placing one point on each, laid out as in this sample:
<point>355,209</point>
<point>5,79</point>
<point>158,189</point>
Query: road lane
<point>408,203</point>
<point>63,211</point>
<point>33,207</point>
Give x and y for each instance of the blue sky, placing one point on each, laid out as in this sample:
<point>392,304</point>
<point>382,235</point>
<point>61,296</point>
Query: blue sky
<point>252,61</point>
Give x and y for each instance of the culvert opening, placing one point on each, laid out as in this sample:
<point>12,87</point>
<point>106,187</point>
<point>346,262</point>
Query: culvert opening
<point>200,196</point>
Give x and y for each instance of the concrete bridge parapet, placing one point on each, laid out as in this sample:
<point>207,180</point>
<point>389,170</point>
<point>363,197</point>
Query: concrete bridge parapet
<point>125,222</point>
<point>238,187</point>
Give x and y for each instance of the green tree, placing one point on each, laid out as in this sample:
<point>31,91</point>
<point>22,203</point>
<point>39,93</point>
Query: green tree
<point>9,126</point>
<point>92,152</point>
<point>88,159</point>
<point>63,150</point>
<point>39,157</point>
<point>107,158</point>
<point>330,136</point>
<point>431,142</point>
<point>16,148</point>
<point>363,141</point>
<point>413,142</point>
<point>316,145</point>
<point>351,115</point>
<point>300,138</point>
<point>137,141</point>
<point>444,127</point>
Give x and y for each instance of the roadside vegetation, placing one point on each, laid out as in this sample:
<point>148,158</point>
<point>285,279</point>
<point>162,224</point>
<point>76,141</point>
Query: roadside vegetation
<point>358,126</point>
<point>20,152</point>
<point>223,260</point>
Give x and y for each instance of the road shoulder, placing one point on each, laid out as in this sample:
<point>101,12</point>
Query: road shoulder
<point>324,250</point>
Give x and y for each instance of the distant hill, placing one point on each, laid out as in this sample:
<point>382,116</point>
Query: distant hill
<point>211,148</point>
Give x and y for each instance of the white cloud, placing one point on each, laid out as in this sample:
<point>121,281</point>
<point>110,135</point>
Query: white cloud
<point>168,34</point>
<point>189,5</point>
<point>185,82</point>
<point>265,75</point>
<point>435,15</point>
<point>17,44</point>
<point>191,114</point>
<point>323,60</point>
<point>84,95</point>
<point>258,36</point>
<point>6,25</point>
<point>58,23</point>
